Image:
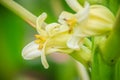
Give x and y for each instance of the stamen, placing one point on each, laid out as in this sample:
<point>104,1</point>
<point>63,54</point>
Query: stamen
<point>40,46</point>
<point>37,36</point>
<point>40,40</point>
<point>37,41</point>
<point>40,37</point>
<point>71,23</point>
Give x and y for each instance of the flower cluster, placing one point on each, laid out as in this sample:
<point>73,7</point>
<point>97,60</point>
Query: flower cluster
<point>71,32</point>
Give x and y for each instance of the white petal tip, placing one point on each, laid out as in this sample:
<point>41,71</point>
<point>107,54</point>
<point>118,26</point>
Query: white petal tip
<point>44,62</point>
<point>44,14</point>
<point>74,43</point>
<point>74,47</point>
<point>31,51</point>
<point>74,4</point>
<point>46,67</point>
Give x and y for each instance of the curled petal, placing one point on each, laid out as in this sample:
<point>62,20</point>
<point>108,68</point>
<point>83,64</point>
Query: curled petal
<point>84,13</point>
<point>52,29</point>
<point>63,28</point>
<point>55,28</point>
<point>65,16</point>
<point>31,51</point>
<point>43,57</point>
<point>74,42</point>
<point>74,4</point>
<point>40,24</point>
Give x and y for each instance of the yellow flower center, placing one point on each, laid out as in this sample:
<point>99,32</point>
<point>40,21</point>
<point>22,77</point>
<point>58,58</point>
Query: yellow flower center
<point>40,40</point>
<point>71,23</point>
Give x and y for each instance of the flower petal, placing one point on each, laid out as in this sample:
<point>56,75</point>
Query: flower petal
<point>74,4</point>
<point>43,57</point>
<point>31,51</point>
<point>100,21</point>
<point>74,42</point>
<point>52,28</point>
<point>102,13</point>
<point>60,50</point>
<point>40,24</point>
<point>55,28</point>
<point>65,16</point>
<point>58,44</point>
<point>84,13</point>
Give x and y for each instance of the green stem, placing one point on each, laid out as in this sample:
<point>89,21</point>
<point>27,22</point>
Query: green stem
<point>117,24</point>
<point>106,57</point>
<point>111,49</point>
<point>20,11</point>
<point>101,70</point>
<point>117,70</point>
<point>83,57</point>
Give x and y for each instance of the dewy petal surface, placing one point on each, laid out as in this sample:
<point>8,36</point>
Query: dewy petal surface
<point>31,51</point>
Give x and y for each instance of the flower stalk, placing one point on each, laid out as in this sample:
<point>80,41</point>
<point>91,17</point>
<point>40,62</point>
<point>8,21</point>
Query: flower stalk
<point>106,56</point>
<point>111,49</point>
<point>20,11</point>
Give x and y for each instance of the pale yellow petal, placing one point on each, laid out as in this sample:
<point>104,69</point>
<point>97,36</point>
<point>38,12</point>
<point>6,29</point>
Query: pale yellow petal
<point>43,56</point>
<point>102,12</point>
<point>53,29</point>
<point>74,42</point>
<point>57,43</point>
<point>100,21</point>
<point>84,13</point>
<point>40,24</point>
<point>65,16</point>
<point>31,51</point>
<point>74,4</point>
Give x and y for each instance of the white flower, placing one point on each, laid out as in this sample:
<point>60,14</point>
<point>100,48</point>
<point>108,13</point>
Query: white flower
<point>31,51</point>
<point>87,21</point>
<point>71,33</point>
<point>51,38</point>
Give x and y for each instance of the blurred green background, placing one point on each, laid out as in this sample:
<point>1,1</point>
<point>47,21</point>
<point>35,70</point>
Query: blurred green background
<point>16,33</point>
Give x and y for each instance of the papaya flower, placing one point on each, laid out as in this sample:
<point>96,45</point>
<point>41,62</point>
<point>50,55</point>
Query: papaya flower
<point>70,33</point>
<point>51,38</point>
<point>90,20</point>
